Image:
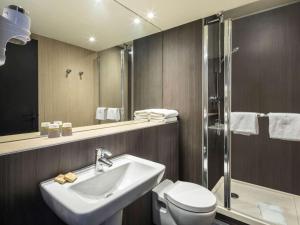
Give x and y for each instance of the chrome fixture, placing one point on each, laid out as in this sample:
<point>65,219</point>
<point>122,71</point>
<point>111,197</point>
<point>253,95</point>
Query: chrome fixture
<point>80,75</point>
<point>68,71</point>
<point>260,115</point>
<point>14,28</point>
<point>227,110</point>
<point>217,65</point>
<point>235,50</point>
<point>102,160</point>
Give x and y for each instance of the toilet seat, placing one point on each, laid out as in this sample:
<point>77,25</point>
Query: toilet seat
<point>191,197</point>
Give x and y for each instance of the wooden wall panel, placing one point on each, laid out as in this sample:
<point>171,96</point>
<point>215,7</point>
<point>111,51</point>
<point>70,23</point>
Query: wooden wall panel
<point>67,99</point>
<point>182,75</point>
<point>110,78</point>
<point>148,72</point>
<point>266,78</point>
<point>21,173</point>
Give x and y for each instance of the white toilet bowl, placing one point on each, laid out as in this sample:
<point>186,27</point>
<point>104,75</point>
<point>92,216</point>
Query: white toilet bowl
<point>183,203</point>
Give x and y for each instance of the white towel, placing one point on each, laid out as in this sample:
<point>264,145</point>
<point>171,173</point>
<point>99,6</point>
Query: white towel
<point>245,123</point>
<point>159,114</point>
<point>168,120</point>
<point>285,126</point>
<point>142,112</point>
<point>163,113</point>
<point>141,118</point>
<point>271,213</point>
<point>101,113</point>
<point>114,114</point>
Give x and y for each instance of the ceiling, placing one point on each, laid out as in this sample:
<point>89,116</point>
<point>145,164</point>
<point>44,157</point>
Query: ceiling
<point>74,21</point>
<point>172,13</point>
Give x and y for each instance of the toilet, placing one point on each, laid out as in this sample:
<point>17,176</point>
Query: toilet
<point>183,203</point>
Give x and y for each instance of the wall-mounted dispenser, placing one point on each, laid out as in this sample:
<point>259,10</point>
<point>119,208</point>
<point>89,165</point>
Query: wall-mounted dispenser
<point>14,28</point>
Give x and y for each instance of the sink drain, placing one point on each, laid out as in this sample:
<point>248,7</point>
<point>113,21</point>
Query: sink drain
<point>234,195</point>
<point>108,194</point>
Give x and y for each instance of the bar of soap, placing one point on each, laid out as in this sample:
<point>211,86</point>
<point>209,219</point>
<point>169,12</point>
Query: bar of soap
<point>60,179</point>
<point>70,177</point>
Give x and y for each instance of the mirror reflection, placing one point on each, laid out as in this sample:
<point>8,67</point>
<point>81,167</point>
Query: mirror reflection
<point>76,67</point>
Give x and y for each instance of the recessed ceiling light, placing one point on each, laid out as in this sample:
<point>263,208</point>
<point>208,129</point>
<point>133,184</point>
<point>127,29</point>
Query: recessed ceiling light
<point>150,15</point>
<point>92,39</point>
<point>137,20</point>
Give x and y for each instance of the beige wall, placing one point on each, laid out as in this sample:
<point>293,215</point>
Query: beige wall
<point>110,79</point>
<point>62,98</point>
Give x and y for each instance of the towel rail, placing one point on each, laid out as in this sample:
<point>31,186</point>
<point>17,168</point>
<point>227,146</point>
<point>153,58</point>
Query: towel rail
<point>260,115</point>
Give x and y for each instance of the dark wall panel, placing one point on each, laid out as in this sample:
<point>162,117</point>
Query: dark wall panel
<point>148,72</point>
<point>182,70</point>
<point>173,60</point>
<point>266,78</point>
<point>21,173</point>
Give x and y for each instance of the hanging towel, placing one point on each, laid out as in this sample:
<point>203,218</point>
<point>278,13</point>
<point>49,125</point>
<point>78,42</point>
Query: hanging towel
<point>271,213</point>
<point>101,113</point>
<point>114,114</point>
<point>245,123</point>
<point>285,126</point>
<point>163,113</point>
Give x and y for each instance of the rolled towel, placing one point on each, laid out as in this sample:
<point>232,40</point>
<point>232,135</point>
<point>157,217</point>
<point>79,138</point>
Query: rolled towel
<point>163,113</point>
<point>284,126</point>
<point>114,114</point>
<point>101,113</point>
<point>245,123</point>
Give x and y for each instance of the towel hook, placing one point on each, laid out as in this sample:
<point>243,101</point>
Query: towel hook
<point>68,71</point>
<point>80,75</point>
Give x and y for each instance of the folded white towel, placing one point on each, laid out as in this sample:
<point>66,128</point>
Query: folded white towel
<point>163,113</point>
<point>142,112</point>
<point>101,113</point>
<point>155,113</point>
<point>114,114</point>
<point>164,120</point>
<point>271,213</point>
<point>245,123</point>
<point>141,118</point>
<point>285,126</point>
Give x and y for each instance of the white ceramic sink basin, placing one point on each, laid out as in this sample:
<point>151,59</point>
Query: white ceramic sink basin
<point>99,197</point>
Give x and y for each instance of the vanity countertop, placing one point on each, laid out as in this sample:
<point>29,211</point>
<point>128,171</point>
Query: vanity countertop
<point>42,142</point>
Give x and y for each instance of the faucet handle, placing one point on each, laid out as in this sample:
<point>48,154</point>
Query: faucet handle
<point>103,153</point>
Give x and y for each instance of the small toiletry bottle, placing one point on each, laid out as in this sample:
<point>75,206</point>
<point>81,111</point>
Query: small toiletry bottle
<point>60,123</point>
<point>67,129</point>
<point>44,128</point>
<point>53,131</point>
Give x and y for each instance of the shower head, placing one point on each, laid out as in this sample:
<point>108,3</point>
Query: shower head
<point>14,28</point>
<point>235,50</point>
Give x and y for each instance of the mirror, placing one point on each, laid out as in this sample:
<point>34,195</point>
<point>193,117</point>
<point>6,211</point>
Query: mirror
<point>79,58</point>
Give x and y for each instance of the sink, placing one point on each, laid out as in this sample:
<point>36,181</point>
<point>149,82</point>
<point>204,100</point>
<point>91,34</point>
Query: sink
<point>97,198</point>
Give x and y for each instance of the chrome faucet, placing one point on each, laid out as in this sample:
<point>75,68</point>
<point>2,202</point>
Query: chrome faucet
<point>102,156</point>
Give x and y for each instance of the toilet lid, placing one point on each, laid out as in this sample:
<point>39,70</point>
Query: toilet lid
<point>191,197</point>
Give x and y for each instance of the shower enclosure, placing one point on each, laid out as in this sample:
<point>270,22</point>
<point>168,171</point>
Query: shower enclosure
<point>251,64</point>
<point>216,100</point>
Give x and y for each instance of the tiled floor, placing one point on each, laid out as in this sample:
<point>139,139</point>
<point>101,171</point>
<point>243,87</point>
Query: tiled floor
<point>260,205</point>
